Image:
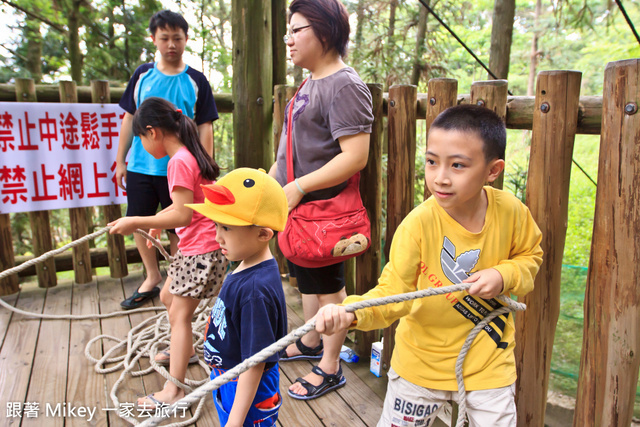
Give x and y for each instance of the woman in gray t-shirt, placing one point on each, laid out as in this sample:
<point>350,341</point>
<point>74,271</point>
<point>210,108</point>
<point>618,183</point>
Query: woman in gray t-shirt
<point>330,136</point>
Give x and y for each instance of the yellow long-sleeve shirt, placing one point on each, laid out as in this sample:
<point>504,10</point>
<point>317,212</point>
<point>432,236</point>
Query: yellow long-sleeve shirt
<point>430,249</point>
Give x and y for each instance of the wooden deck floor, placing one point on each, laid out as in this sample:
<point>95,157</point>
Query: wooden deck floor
<point>43,367</point>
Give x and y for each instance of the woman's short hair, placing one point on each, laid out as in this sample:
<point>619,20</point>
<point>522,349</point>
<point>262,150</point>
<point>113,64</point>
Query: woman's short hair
<point>329,20</point>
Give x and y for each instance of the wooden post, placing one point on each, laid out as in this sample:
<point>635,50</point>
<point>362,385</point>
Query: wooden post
<point>400,175</point>
<point>442,94</point>
<point>493,95</point>
<point>40,228</point>
<point>9,285</point>
<point>77,216</point>
<point>554,128</point>
<point>279,29</point>
<point>611,340</point>
<point>252,83</point>
<point>100,94</point>
<point>281,96</point>
<point>368,264</point>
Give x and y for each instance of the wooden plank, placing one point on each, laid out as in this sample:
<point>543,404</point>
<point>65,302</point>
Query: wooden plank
<point>331,408</point>
<point>84,385</point>
<point>557,94</point>
<point>18,347</point>
<point>9,285</point>
<point>611,342</point>
<point>48,382</point>
<point>111,294</point>
<point>294,412</point>
<point>6,315</point>
<point>356,394</point>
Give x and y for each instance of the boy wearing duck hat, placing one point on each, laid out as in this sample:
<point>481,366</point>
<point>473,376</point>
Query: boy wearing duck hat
<point>247,206</point>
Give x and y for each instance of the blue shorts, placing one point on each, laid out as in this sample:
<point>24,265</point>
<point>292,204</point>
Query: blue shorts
<point>145,193</point>
<point>262,412</point>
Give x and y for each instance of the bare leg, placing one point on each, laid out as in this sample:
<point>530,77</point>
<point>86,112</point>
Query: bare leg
<point>150,262</point>
<point>310,307</point>
<point>167,299</point>
<point>180,316</point>
<point>330,362</point>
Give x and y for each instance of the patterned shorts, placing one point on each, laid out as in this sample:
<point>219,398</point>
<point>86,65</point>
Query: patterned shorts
<point>197,276</point>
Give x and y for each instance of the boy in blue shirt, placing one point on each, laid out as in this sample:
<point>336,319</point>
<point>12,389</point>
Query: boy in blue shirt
<point>145,177</point>
<point>250,313</point>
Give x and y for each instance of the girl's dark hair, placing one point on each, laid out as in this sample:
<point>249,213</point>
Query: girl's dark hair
<point>329,20</point>
<point>168,19</point>
<point>160,113</point>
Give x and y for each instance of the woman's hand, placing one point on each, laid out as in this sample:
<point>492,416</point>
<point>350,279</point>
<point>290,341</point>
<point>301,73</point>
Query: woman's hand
<point>293,195</point>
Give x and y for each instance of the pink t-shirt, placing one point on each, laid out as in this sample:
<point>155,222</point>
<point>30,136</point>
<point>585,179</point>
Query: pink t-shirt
<point>199,237</point>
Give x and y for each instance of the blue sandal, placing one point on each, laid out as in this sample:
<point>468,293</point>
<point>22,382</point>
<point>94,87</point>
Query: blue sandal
<point>329,382</point>
<point>306,353</point>
<point>139,298</point>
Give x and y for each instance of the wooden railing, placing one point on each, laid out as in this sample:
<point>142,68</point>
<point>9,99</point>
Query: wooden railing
<point>557,112</point>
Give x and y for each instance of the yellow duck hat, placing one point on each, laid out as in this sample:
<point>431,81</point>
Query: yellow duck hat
<point>245,196</point>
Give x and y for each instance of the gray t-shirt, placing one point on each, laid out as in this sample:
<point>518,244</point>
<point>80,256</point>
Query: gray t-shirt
<point>324,110</point>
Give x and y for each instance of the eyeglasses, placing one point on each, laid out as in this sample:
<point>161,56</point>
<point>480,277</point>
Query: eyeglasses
<point>292,33</point>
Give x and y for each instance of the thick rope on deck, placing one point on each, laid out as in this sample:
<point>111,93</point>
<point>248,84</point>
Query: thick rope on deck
<point>55,252</point>
<point>511,306</point>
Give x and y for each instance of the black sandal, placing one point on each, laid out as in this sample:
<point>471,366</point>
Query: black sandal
<point>329,382</point>
<point>307,353</point>
<point>139,298</point>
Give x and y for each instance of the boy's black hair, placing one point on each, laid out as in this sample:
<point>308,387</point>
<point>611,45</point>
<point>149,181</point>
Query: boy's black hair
<point>479,120</point>
<point>160,113</point>
<point>167,19</point>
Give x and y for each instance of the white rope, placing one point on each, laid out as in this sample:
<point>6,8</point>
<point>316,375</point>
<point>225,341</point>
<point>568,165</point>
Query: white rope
<point>292,337</point>
<point>145,342</point>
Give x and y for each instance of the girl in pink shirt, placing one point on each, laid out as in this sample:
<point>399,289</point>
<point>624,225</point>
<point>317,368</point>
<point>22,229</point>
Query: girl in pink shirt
<point>198,268</point>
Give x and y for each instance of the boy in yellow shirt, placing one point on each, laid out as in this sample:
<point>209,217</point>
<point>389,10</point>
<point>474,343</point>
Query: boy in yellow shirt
<point>465,232</point>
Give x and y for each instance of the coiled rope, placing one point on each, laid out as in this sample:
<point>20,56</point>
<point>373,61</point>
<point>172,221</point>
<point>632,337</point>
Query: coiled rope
<point>145,342</point>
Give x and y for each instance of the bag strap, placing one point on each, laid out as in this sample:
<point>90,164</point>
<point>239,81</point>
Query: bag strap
<point>290,176</point>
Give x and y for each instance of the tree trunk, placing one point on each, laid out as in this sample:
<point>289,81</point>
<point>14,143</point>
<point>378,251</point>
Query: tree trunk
<point>501,34</point>
<point>34,48</point>
<point>75,56</point>
<point>393,5</point>
<point>534,49</point>
<point>357,50</point>
<point>420,39</point>
<point>252,83</point>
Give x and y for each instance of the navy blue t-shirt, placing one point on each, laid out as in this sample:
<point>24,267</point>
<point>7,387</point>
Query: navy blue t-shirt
<point>249,314</point>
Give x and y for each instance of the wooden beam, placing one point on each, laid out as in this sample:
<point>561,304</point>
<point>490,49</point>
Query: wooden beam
<point>611,341</point>
<point>50,93</point>
<point>554,129</point>
<point>99,258</point>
